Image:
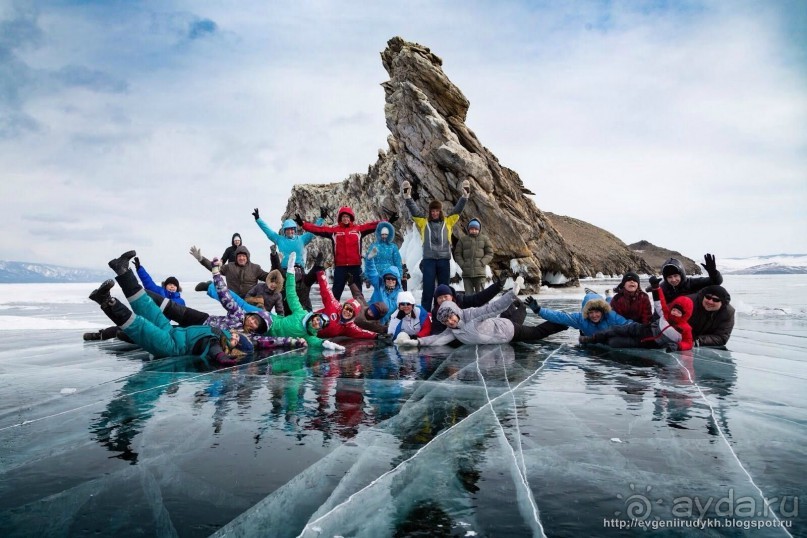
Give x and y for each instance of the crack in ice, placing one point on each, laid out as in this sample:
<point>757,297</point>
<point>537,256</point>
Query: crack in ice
<point>312,525</point>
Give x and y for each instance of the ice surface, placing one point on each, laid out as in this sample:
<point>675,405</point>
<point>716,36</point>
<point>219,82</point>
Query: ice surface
<point>545,439</point>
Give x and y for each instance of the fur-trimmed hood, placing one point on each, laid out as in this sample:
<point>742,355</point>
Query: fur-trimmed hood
<point>276,276</point>
<point>686,306</point>
<point>384,225</point>
<point>594,301</point>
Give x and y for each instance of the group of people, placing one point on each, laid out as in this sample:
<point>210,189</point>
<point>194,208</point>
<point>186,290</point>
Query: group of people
<point>268,309</point>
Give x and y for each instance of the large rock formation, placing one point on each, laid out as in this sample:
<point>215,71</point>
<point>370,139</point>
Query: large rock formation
<point>432,148</point>
<point>656,256</point>
<point>597,251</point>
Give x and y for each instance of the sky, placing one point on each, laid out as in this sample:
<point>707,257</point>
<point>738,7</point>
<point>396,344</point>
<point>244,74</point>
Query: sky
<point>161,125</point>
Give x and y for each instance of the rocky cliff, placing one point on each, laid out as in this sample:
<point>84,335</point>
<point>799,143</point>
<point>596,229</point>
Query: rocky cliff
<point>430,146</point>
<point>656,256</point>
<point>596,250</point>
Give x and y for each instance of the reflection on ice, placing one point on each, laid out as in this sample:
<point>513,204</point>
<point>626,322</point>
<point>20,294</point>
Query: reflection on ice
<point>489,440</point>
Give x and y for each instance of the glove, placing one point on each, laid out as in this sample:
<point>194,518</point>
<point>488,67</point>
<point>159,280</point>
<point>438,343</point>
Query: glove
<point>401,338</point>
<point>323,212</point>
<point>216,263</point>
<point>273,249</point>
<point>401,314</point>
<point>225,360</point>
<point>533,304</point>
<point>298,219</point>
<point>518,284</point>
<point>393,217</point>
<point>409,342</point>
<point>327,344</point>
<point>466,188</point>
<point>654,282</point>
<point>710,265</point>
<point>136,261</point>
<point>406,275</point>
<point>196,253</point>
<point>406,188</point>
<point>372,254</point>
<point>291,259</point>
<point>256,214</point>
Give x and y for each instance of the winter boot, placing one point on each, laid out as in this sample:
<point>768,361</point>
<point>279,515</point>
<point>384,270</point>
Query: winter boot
<point>101,295</point>
<point>121,265</point>
<point>128,281</point>
<point>116,311</point>
<point>202,286</point>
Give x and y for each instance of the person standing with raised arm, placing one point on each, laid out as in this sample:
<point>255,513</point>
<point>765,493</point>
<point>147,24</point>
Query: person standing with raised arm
<point>435,232</point>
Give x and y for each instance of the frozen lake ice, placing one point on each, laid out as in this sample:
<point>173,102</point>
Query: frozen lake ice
<point>546,439</point>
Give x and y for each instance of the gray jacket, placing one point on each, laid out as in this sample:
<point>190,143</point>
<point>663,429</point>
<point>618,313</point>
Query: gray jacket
<point>477,325</point>
<point>436,234</point>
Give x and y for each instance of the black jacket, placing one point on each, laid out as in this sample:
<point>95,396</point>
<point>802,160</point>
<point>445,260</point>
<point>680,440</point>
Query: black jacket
<point>711,328</point>
<point>689,284</point>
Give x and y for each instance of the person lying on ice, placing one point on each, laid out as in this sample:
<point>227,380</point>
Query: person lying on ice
<point>444,292</point>
<point>151,330</point>
<point>299,322</point>
<point>479,325</point>
<point>169,289</point>
<point>368,316</point>
<point>671,331</point>
<point>252,324</point>
<point>596,315</point>
<point>342,317</point>
<point>410,319</point>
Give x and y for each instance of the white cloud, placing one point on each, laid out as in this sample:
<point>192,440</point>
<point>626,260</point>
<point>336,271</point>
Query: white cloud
<point>156,130</point>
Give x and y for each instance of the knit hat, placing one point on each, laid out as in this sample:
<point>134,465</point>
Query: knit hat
<point>172,280</point>
<point>718,291</point>
<point>443,289</point>
<point>475,224</point>
<point>406,297</point>
<point>630,275</point>
<point>435,204</point>
<point>378,309</point>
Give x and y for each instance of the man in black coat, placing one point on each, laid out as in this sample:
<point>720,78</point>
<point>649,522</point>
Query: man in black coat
<point>713,317</point>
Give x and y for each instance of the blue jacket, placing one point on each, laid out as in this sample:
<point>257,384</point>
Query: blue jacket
<point>579,321</point>
<point>149,284</point>
<point>285,245</point>
<point>388,253</point>
<point>380,292</point>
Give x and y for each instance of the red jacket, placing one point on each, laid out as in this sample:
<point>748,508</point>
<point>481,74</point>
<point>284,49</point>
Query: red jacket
<point>333,309</point>
<point>346,239</point>
<point>681,324</point>
<point>635,308</point>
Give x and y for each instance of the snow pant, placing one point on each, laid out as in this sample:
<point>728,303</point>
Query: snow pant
<point>184,316</point>
<point>432,269</point>
<point>473,284</point>
<point>630,335</point>
<point>529,333</point>
<point>340,273</point>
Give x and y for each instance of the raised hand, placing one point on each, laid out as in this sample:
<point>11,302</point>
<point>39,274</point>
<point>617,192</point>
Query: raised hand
<point>372,254</point>
<point>406,188</point>
<point>256,214</point>
<point>298,219</point>
<point>533,304</point>
<point>654,282</point>
<point>466,188</point>
<point>323,212</point>
<point>196,253</point>
<point>710,265</point>
<point>291,260</point>
<point>518,284</point>
<point>136,262</point>
<point>393,216</point>
<point>216,263</point>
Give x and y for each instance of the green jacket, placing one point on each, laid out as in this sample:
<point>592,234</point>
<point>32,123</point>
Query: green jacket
<point>472,254</point>
<point>293,324</point>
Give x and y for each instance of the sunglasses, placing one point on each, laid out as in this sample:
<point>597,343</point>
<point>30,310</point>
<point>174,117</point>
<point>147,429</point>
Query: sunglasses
<point>404,304</point>
<point>713,298</point>
<point>348,308</point>
<point>390,278</point>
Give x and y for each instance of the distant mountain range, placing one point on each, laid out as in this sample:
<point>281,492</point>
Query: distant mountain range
<point>774,264</point>
<point>25,272</point>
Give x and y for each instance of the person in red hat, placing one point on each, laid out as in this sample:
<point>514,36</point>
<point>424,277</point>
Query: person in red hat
<point>346,236</point>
